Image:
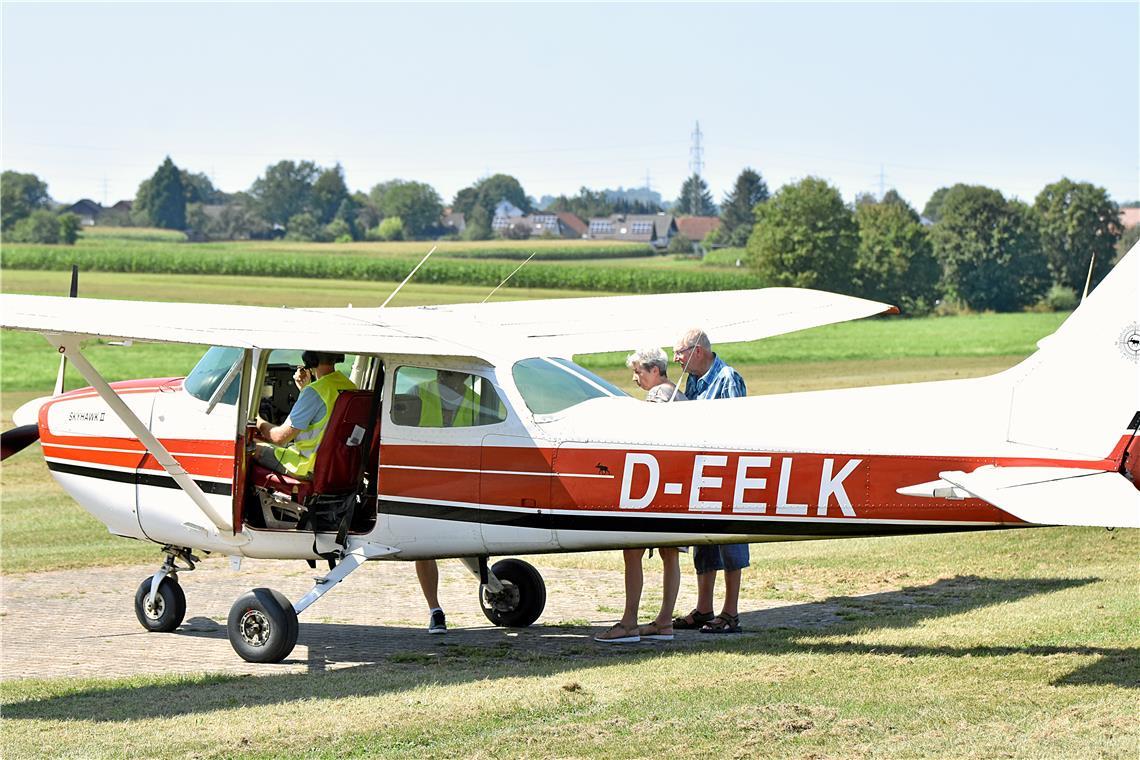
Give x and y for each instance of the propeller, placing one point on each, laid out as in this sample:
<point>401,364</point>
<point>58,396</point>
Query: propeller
<point>17,439</point>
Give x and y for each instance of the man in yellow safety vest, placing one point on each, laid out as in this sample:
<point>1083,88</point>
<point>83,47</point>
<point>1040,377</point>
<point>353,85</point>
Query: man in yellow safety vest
<point>291,447</point>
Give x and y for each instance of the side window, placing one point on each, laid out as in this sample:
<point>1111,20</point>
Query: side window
<point>444,398</point>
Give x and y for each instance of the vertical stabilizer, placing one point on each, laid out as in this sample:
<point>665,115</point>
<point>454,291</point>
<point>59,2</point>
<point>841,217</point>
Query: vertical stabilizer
<point>1077,394</point>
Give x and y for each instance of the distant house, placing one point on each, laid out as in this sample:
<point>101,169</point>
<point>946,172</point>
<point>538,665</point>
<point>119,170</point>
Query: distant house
<point>561,225</point>
<point>696,228</point>
<point>655,229</point>
<point>123,207</point>
<point>508,210</point>
<point>453,221</point>
<point>87,210</point>
<point>1129,217</point>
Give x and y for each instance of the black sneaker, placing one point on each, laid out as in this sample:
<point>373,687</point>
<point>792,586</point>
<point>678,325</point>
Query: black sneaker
<point>437,623</point>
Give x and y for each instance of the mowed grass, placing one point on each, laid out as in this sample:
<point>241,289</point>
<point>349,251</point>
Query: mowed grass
<point>1014,644</point>
<point>1005,644</point>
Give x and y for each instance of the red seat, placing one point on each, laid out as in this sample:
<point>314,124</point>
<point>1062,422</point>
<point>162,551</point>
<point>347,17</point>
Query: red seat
<point>338,463</point>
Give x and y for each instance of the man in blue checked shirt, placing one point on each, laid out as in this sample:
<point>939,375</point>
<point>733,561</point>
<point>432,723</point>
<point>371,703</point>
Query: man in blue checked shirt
<point>711,378</point>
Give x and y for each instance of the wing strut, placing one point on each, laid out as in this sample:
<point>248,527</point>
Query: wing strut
<point>68,346</point>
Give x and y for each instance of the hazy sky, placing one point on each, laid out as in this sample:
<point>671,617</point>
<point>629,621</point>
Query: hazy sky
<point>560,96</point>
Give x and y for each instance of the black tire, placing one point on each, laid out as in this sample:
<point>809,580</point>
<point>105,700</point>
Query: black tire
<point>167,610</point>
<point>522,599</point>
<point>262,626</point>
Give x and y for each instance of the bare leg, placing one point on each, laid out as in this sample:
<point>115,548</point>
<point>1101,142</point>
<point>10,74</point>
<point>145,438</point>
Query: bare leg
<point>731,592</point>
<point>427,571</point>
<point>706,584</point>
<point>634,581</point>
<point>672,581</point>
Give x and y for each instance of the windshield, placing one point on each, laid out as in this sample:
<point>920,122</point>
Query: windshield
<point>211,369</point>
<point>551,385</point>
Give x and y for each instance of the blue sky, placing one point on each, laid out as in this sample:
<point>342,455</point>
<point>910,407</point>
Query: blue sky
<point>1010,96</point>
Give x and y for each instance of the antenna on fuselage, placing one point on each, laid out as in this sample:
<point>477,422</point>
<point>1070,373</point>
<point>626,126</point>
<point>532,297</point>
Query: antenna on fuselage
<point>509,276</point>
<point>73,293</point>
<point>410,274</point>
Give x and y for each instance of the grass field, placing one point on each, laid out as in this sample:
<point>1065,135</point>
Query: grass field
<point>1012,644</point>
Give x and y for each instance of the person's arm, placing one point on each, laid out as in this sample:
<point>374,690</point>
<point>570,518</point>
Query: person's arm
<point>280,435</point>
<point>308,409</point>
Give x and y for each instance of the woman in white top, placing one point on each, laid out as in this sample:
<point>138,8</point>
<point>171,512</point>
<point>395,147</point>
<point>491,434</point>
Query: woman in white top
<point>650,372</point>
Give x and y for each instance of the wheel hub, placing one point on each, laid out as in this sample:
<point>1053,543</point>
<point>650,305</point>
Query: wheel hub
<point>506,600</point>
<point>155,606</point>
<point>254,628</point>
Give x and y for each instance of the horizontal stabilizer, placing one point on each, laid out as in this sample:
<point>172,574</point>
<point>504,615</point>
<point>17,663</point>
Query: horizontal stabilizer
<point>1055,495</point>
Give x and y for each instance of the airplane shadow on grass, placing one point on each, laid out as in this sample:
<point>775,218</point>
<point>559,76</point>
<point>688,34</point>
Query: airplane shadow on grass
<point>394,659</point>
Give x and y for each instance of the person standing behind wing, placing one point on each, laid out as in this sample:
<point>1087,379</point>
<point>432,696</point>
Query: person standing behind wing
<point>711,378</point>
<point>650,372</point>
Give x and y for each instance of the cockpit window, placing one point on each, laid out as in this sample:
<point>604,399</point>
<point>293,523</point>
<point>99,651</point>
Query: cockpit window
<point>551,385</point>
<point>211,369</point>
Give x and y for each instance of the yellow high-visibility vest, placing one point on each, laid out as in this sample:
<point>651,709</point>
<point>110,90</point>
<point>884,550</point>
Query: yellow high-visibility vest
<point>431,406</point>
<point>299,456</point>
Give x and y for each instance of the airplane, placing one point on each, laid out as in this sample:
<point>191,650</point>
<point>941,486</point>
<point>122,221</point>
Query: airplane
<point>552,457</point>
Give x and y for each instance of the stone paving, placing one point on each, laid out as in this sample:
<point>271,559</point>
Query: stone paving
<point>82,623</point>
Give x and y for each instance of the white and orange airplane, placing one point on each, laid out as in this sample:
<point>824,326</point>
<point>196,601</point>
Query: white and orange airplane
<point>554,458</point>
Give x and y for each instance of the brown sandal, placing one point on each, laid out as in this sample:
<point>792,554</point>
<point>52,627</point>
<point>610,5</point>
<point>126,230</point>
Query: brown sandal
<point>723,623</point>
<point>693,620</point>
<point>655,632</point>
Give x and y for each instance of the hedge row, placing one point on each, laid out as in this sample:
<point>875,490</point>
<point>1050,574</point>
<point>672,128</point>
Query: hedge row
<point>577,253</point>
<point>392,269</point>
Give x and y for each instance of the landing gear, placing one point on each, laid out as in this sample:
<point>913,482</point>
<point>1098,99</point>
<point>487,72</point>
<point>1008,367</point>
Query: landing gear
<point>161,612</point>
<point>160,603</point>
<point>520,595</point>
<point>262,626</point>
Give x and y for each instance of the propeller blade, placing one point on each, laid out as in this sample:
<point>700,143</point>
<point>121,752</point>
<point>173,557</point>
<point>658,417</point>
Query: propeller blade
<point>17,439</point>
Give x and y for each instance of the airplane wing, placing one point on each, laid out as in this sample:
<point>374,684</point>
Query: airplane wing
<point>1055,495</point>
<point>570,326</point>
<point>559,326</point>
<point>342,330</point>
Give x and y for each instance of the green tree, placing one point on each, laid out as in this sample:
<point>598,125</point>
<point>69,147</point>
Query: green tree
<point>284,191</point>
<point>68,229</point>
<point>737,212</point>
<point>933,208</point>
<point>20,195</point>
<point>392,228</point>
<point>328,193</point>
<point>805,237</point>
<point>488,193</point>
<point>695,198</point>
<point>478,224</point>
<point>1128,239</point>
<point>1079,223</point>
<point>161,199</point>
<point>199,189</point>
<point>302,227</point>
<point>990,250</point>
<point>416,203</point>
<point>40,226</point>
<point>895,260</point>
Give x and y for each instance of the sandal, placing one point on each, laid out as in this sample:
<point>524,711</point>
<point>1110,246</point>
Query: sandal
<point>655,632</point>
<point>618,634</point>
<point>723,623</point>
<point>693,620</point>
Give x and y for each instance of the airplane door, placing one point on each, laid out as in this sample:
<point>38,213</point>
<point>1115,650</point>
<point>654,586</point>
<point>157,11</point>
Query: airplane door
<point>202,443</point>
<point>514,493</point>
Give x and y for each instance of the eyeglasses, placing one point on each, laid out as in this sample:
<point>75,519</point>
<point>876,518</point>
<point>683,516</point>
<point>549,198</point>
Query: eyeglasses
<point>684,350</point>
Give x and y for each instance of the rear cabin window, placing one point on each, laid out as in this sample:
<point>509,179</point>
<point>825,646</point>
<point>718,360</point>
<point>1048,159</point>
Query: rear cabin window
<point>550,385</point>
<point>438,398</point>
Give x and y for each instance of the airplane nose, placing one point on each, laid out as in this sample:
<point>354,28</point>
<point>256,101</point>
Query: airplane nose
<point>17,439</point>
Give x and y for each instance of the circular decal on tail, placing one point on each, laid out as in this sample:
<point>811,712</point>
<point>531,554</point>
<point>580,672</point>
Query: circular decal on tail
<point>1129,343</point>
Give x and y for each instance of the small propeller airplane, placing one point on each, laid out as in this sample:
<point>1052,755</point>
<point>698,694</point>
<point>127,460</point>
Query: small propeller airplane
<point>551,457</point>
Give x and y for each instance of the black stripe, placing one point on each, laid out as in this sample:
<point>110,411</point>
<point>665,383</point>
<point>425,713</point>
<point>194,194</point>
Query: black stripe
<point>663,524</point>
<point>1135,424</point>
<point>142,479</point>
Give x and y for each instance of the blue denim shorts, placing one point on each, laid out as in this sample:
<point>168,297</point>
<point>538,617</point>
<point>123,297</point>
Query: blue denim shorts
<point>723,557</point>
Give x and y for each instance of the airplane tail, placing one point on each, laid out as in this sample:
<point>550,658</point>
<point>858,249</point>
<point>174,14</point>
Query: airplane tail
<point>1079,394</point>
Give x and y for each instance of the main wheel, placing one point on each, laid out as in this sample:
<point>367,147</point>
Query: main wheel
<point>165,611</point>
<point>262,626</point>
<point>523,596</point>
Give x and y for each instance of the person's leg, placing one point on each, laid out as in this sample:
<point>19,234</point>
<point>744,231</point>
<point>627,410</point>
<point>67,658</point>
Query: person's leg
<point>634,582</point>
<point>706,585</point>
<point>427,571</point>
<point>671,575</point>
<point>264,455</point>
<point>625,630</point>
<point>731,593</point>
<point>706,561</point>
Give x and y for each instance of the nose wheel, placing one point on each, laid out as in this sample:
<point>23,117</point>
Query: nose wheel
<point>521,596</point>
<point>161,612</point>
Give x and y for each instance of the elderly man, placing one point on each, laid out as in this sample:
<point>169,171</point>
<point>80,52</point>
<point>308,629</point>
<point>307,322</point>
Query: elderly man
<point>651,373</point>
<point>711,378</point>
